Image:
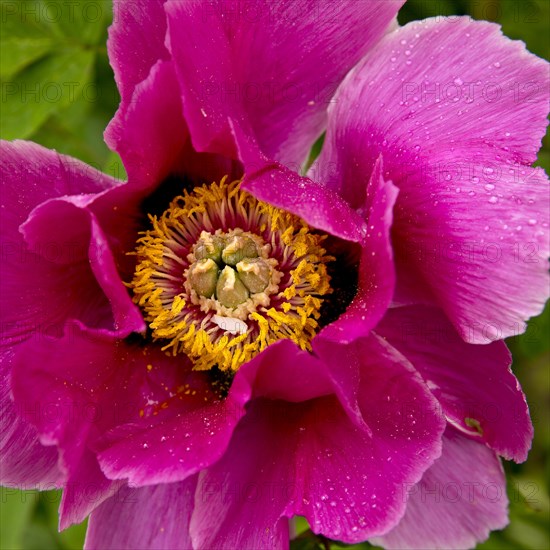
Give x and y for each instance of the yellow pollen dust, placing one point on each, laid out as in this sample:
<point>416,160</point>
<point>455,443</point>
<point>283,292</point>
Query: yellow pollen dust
<point>274,291</point>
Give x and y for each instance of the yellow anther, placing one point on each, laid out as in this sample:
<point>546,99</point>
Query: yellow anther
<point>242,246</point>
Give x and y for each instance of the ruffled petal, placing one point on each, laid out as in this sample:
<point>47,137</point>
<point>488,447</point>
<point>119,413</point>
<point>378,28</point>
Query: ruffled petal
<point>474,384</point>
<point>376,271</point>
<point>85,489</point>
<point>275,184</point>
<point>24,462</point>
<point>48,281</point>
<point>284,371</point>
<point>309,459</point>
<point>136,42</point>
<point>369,227</point>
<point>32,174</point>
<point>403,428</point>
<point>88,244</point>
<point>271,66</point>
<point>41,288</point>
<point>240,500</point>
<point>458,132</point>
<point>146,416</point>
<point>154,517</point>
<point>178,446</point>
<point>152,139</point>
<point>458,502</point>
<point>149,133</point>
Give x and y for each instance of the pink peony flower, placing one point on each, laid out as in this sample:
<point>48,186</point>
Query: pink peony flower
<point>220,344</point>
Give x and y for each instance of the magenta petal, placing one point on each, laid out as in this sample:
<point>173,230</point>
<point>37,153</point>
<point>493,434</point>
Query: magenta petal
<point>152,139</point>
<point>309,459</point>
<point>86,488</point>
<point>240,61</point>
<point>51,395</point>
<point>317,205</point>
<point>460,499</point>
<point>39,291</point>
<point>474,383</point>
<point>146,416</point>
<point>324,210</point>
<point>245,492</point>
<point>150,133</point>
<point>203,59</point>
<point>177,447</point>
<point>136,41</point>
<point>156,518</point>
<point>32,174</point>
<point>24,462</point>
<point>270,373</point>
<point>458,132</point>
<point>406,428</point>
<point>345,376</point>
<point>86,242</point>
<point>45,285</point>
<point>126,314</point>
<point>376,271</point>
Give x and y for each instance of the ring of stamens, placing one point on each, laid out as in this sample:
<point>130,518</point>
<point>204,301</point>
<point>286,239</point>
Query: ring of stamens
<point>223,314</point>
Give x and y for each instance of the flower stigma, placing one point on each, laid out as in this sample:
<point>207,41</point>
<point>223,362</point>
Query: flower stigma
<point>221,275</point>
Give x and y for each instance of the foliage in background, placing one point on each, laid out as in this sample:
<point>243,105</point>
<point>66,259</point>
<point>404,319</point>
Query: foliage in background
<point>57,86</point>
<point>58,90</point>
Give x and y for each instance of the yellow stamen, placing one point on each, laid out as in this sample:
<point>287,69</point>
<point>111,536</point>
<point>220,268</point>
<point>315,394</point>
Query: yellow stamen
<point>290,254</point>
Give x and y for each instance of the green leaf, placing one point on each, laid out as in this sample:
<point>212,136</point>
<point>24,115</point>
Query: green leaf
<point>78,130</point>
<point>84,20</point>
<point>18,53</point>
<point>315,152</point>
<point>73,537</point>
<point>306,544</point>
<point>80,22</point>
<point>45,87</point>
<point>16,508</point>
<point>38,536</point>
<point>23,39</point>
<point>48,49</point>
<point>527,21</point>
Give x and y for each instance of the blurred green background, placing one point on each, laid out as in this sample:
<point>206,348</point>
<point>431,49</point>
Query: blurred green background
<point>62,50</point>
